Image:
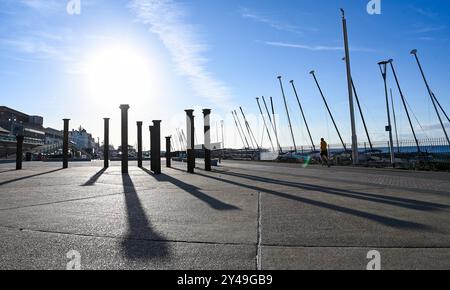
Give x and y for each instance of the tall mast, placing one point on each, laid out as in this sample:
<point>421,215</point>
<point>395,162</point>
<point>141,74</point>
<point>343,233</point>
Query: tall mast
<point>414,52</point>
<point>442,109</point>
<point>273,124</point>
<point>265,125</point>
<point>395,122</point>
<point>355,157</point>
<point>404,105</point>
<point>239,131</point>
<point>303,114</point>
<point>328,109</point>
<point>362,115</point>
<point>242,130</point>
<point>249,129</point>
<point>287,112</point>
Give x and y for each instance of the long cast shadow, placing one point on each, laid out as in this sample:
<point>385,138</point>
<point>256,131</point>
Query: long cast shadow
<point>430,191</point>
<point>388,221</point>
<point>29,176</point>
<point>378,198</point>
<point>211,201</point>
<point>10,170</point>
<point>136,244</point>
<point>94,178</point>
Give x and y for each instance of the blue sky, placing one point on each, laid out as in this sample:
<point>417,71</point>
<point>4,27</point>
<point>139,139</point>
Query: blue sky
<point>162,57</point>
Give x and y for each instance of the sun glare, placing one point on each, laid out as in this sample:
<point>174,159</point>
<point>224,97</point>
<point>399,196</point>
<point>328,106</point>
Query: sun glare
<point>119,74</point>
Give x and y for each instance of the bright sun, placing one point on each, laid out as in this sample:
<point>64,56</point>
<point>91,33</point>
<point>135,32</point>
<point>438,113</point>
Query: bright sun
<point>119,74</point>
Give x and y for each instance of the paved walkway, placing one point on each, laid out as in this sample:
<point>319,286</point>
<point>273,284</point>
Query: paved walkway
<point>245,215</point>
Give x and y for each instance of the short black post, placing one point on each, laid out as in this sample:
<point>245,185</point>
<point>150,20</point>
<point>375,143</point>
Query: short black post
<point>106,144</point>
<point>168,152</point>
<point>139,142</point>
<point>66,144</point>
<point>124,109</point>
<point>190,147</point>
<point>207,145</point>
<point>19,152</point>
<point>152,150</point>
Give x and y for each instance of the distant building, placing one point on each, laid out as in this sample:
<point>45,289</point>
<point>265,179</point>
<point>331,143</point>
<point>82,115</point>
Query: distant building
<point>20,123</point>
<point>82,139</point>
<point>53,136</point>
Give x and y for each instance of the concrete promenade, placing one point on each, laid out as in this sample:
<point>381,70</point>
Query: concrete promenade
<point>243,215</point>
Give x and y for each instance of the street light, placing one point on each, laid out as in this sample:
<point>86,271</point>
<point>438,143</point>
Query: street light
<point>383,69</point>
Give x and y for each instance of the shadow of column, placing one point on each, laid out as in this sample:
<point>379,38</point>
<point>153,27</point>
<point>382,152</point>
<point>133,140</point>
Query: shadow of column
<point>141,241</point>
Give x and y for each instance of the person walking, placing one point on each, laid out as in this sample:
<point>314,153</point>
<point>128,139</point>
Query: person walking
<point>324,152</point>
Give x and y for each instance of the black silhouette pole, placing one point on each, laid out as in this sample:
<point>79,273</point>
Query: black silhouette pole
<point>383,70</point>
<point>139,141</point>
<point>66,144</point>
<point>152,150</point>
<point>207,131</point>
<point>156,148</point>
<point>19,151</point>
<point>303,114</point>
<point>404,105</point>
<point>414,52</point>
<point>106,144</point>
<point>328,109</point>
<point>287,112</point>
<point>124,133</point>
<point>168,152</point>
<point>190,146</point>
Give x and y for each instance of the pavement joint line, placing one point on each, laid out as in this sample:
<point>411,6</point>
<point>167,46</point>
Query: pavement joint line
<point>259,236</point>
<point>63,201</point>
<point>124,238</point>
<point>353,247</point>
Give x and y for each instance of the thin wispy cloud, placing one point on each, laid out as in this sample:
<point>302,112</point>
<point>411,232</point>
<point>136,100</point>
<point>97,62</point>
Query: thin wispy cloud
<point>37,49</point>
<point>42,5</point>
<point>425,12</point>
<point>246,13</point>
<point>167,20</point>
<point>317,47</point>
<point>429,28</point>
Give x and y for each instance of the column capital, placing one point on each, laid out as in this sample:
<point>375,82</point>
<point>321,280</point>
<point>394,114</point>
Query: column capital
<point>124,107</point>
<point>66,120</point>
<point>206,112</point>
<point>139,123</point>
<point>190,112</point>
<point>106,119</point>
<point>156,122</point>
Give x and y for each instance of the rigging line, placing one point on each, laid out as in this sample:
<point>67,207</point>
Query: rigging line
<point>415,117</point>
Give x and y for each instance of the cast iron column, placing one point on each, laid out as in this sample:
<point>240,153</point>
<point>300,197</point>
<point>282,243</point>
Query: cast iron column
<point>190,147</point>
<point>106,144</point>
<point>152,150</point>
<point>66,144</point>
<point>124,109</point>
<point>156,146</point>
<point>19,152</point>
<point>207,124</point>
<point>139,141</point>
<point>168,152</point>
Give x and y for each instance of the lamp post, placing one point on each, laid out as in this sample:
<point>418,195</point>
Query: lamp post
<point>383,70</point>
